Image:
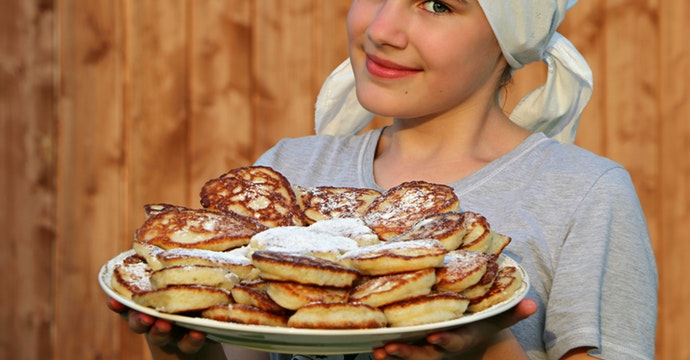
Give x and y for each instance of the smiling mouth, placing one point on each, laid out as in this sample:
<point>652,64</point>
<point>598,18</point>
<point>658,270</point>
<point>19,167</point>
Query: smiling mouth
<point>387,69</point>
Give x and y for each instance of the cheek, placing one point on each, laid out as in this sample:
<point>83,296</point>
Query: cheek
<point>358,19</point>
<point>457,65</point>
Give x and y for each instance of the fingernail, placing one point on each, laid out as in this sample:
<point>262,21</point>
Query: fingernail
<point>436,340</point>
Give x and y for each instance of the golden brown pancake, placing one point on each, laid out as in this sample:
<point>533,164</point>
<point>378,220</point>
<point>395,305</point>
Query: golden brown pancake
<point>461,269</point>
<point>508,281</point>
<point>303,269</point>
<point>292,296</point>
<point>426,309</point>
<point>182,298</point>
<point>387,289</point>
<point>301,240</point>
<point>180,227</point>
<point>445,227</point>
<point>131,276</point>
<point>244,314</point>
<point>258,192</point>
<point>396,257</point>
<point>253,296</point>
<point>330,202</point>
<point>480,289</point>
<point>338,316</point>
<point>194,275</point>
<point>397,209</point>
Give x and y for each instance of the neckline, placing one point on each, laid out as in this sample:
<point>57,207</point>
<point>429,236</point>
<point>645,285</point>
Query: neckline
<point>463,185</point>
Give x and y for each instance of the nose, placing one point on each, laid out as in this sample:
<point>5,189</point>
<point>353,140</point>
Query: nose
<point>388,25</point>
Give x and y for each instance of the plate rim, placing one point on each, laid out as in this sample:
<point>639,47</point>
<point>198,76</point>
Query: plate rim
<point>220,331</point>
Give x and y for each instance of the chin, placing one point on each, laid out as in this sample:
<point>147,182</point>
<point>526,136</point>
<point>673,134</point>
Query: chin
<point>385,106</point>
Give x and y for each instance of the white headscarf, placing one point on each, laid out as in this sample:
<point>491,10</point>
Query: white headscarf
<point>526,32</point>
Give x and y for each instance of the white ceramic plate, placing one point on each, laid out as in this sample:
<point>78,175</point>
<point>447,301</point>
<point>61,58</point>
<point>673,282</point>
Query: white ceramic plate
<point>309,341</point>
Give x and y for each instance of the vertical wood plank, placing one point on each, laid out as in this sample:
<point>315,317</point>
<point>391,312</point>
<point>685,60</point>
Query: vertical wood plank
<point>157,105</point>
<point>282,64</point>
<point>220,89</point>
<point>91,175</point>
<point>631,105</point>
<point>156,111</point>
<point>329,39</point>
<point>27,179</point>
<point>674,219</point>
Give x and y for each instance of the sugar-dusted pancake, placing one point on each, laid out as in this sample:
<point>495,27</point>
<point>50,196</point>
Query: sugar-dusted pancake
<point>480,289</point>
<point>353,228</point>
<point>396,257</point>
<point>330,202</point>
<point>461,269</point>
<point>131,276</point>
<point>446,227</point>
<point>258,192</point>
<point>387,289</point>
<point>179,227</point>
<point>301,240</point>
<point>397,209</point>
<point>235,260</point>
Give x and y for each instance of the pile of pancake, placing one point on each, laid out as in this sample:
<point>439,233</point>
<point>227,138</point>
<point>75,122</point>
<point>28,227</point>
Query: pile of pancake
<point>266,252</point>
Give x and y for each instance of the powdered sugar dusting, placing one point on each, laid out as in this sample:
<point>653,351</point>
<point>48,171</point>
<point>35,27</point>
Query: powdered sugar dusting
<point>219,257</point>
<point>424,244</point>
<point>300,239</point>
<point>348,227</point>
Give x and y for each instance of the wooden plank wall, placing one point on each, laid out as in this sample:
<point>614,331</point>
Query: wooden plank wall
<point>108,105</point>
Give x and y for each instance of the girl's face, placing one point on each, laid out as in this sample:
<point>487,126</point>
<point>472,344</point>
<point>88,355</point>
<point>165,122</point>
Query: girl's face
<point>419,59</point>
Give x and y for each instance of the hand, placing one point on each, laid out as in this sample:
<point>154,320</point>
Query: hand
<point>460,340</point>
<point>160,332</point>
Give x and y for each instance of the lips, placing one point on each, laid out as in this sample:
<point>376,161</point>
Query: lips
<point>385,69</point>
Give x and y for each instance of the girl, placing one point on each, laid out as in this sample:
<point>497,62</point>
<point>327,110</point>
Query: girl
<point>437,68</point>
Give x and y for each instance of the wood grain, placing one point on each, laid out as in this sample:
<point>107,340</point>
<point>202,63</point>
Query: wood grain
<point>108,105</point>
<point>673,180</point>
<point>28,192</point>
<point>91,182</point>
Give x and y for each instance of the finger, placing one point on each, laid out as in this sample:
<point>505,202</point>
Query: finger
<point>524,309</point>
<point>161,332</point>
<point>475,334</point>
<point>115,305</point>
<point>140,322</point>
<point>192,342</point>
<point>407,352</point>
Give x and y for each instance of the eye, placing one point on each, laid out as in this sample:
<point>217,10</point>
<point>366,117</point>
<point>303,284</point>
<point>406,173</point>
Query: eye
<point>435,7</point>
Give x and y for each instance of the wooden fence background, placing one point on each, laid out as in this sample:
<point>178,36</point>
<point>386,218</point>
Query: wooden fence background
<point>106,105</point>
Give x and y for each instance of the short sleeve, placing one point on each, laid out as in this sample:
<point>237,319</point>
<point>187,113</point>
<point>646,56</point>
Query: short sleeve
<point>605,283</point>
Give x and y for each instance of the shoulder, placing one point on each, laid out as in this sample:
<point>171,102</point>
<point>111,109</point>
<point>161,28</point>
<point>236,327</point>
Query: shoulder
<point>574,158</point>
<point>574,166</point>
<point>315,145</point>
<point>321,159</point>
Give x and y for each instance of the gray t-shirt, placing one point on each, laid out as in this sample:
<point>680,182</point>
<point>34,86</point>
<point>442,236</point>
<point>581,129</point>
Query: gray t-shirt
<point>576,226</point>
